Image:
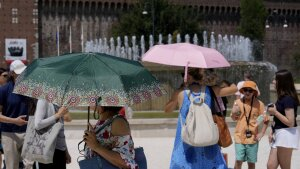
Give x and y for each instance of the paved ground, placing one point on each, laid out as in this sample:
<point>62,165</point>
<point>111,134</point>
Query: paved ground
<point>158,151</point>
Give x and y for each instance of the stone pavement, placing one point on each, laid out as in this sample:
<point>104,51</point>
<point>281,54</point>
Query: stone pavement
<point>158,148</point>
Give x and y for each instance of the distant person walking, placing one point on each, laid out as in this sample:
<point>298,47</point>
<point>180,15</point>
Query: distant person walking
<point>47,114</point>
<point>14,109</point>
<point>246,136</point>
<point>285,135</point>
<point>3,81</point>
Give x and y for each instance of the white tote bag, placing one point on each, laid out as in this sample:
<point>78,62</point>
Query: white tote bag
<point>39,145</point>
<point>199,129</point>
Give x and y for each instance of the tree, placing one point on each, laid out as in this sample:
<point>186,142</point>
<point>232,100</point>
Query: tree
<point>253,17</point>
<point>252,24</point>
<point>168,19</point>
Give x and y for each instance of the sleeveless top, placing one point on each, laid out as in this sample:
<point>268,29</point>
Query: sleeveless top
<point>185,156</point>
<point>121,144</point>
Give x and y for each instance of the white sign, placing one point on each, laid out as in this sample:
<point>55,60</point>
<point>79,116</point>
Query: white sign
<point>15,49</point>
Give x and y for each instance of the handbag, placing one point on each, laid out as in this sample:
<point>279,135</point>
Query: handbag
<point>225,139</point>
<point>39,145</point>
<point>199,128</point>
<point>98,162</point>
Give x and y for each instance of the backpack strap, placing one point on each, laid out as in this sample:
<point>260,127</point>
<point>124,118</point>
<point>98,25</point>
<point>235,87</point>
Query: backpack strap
<point>109,122</point>
<point>214,101</point>
<point>203,92</point>
<point>193,98</point>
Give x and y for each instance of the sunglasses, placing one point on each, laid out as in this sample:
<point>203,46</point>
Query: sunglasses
<point>248,90</point>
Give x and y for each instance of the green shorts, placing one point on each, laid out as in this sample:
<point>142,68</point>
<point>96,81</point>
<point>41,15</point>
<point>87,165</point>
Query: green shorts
<point>246,152</point>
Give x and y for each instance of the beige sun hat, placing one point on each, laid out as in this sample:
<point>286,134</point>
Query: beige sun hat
<point>249,84</point>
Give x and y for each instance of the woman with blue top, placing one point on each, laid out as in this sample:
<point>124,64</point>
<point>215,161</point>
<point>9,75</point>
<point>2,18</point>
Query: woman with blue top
<point>185,156</point>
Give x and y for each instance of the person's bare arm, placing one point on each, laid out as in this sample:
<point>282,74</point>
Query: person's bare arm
<point>180,99</point>
<point>288,119</point>
<point>20,121</point>
<point>265,122</point>
<point>234,111</point>
<point>263,131</point>
<point>67,117</point>
<point>225,91</point>
<point>172,103</point>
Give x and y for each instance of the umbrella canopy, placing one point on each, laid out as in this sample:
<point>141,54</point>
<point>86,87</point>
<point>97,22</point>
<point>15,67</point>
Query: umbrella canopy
<point>185,54</point>
<point>79,79</point>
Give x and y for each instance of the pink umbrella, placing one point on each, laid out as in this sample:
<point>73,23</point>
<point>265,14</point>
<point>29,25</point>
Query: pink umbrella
<point>185,54</point>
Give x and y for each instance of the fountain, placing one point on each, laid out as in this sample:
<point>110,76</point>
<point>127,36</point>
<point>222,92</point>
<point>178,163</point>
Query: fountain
<point>236,49</point>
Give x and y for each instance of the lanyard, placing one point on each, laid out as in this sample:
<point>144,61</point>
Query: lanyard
<point>248,118</point>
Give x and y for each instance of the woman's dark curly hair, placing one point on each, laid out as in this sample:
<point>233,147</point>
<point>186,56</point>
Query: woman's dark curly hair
<point>195,73</point>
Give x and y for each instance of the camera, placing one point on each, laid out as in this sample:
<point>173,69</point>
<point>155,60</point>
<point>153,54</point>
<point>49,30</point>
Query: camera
<point>248,133</point>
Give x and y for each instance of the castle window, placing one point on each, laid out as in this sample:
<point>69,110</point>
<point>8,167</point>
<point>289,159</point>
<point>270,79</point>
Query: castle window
<point>14,20</point>
<point>35,21</point>
<point>14,11</point>
<point>35,12</point>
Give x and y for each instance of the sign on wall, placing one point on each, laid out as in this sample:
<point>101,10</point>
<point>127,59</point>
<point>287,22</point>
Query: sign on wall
<point>15,49</point>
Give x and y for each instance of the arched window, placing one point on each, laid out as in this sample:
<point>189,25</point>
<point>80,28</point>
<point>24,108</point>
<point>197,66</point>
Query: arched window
<point>119,6</point>
<point>80,8</point>
<point>112,6</point>
<point>93,8</point>
<point>86,9</point>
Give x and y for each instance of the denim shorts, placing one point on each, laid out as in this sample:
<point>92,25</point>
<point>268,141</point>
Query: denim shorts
<point>246,152</point>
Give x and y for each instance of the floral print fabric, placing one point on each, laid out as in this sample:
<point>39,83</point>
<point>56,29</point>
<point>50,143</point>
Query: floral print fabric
<point>122,144</point>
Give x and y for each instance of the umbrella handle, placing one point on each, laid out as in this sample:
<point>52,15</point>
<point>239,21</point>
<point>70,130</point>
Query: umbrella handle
<point>185,72</point>
<point>88,120</point>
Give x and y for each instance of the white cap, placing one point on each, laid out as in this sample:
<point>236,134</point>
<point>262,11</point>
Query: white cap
<point>17,66</point>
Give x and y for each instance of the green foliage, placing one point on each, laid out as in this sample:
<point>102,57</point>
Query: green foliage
<point>296,60</point>
<point>297,80</point>
<point>168,19</point>
<point>253,16</point>
<point>296,57</point>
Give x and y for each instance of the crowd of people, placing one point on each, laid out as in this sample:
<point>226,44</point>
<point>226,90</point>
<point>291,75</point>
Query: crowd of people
<point>111,138</point>
<point>246,111</point>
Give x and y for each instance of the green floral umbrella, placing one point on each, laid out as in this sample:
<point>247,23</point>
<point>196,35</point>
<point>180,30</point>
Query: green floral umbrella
<point>78,79</point>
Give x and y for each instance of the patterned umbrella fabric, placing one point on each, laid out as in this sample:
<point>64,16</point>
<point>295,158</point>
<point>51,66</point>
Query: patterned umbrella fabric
<point>78,79</point>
